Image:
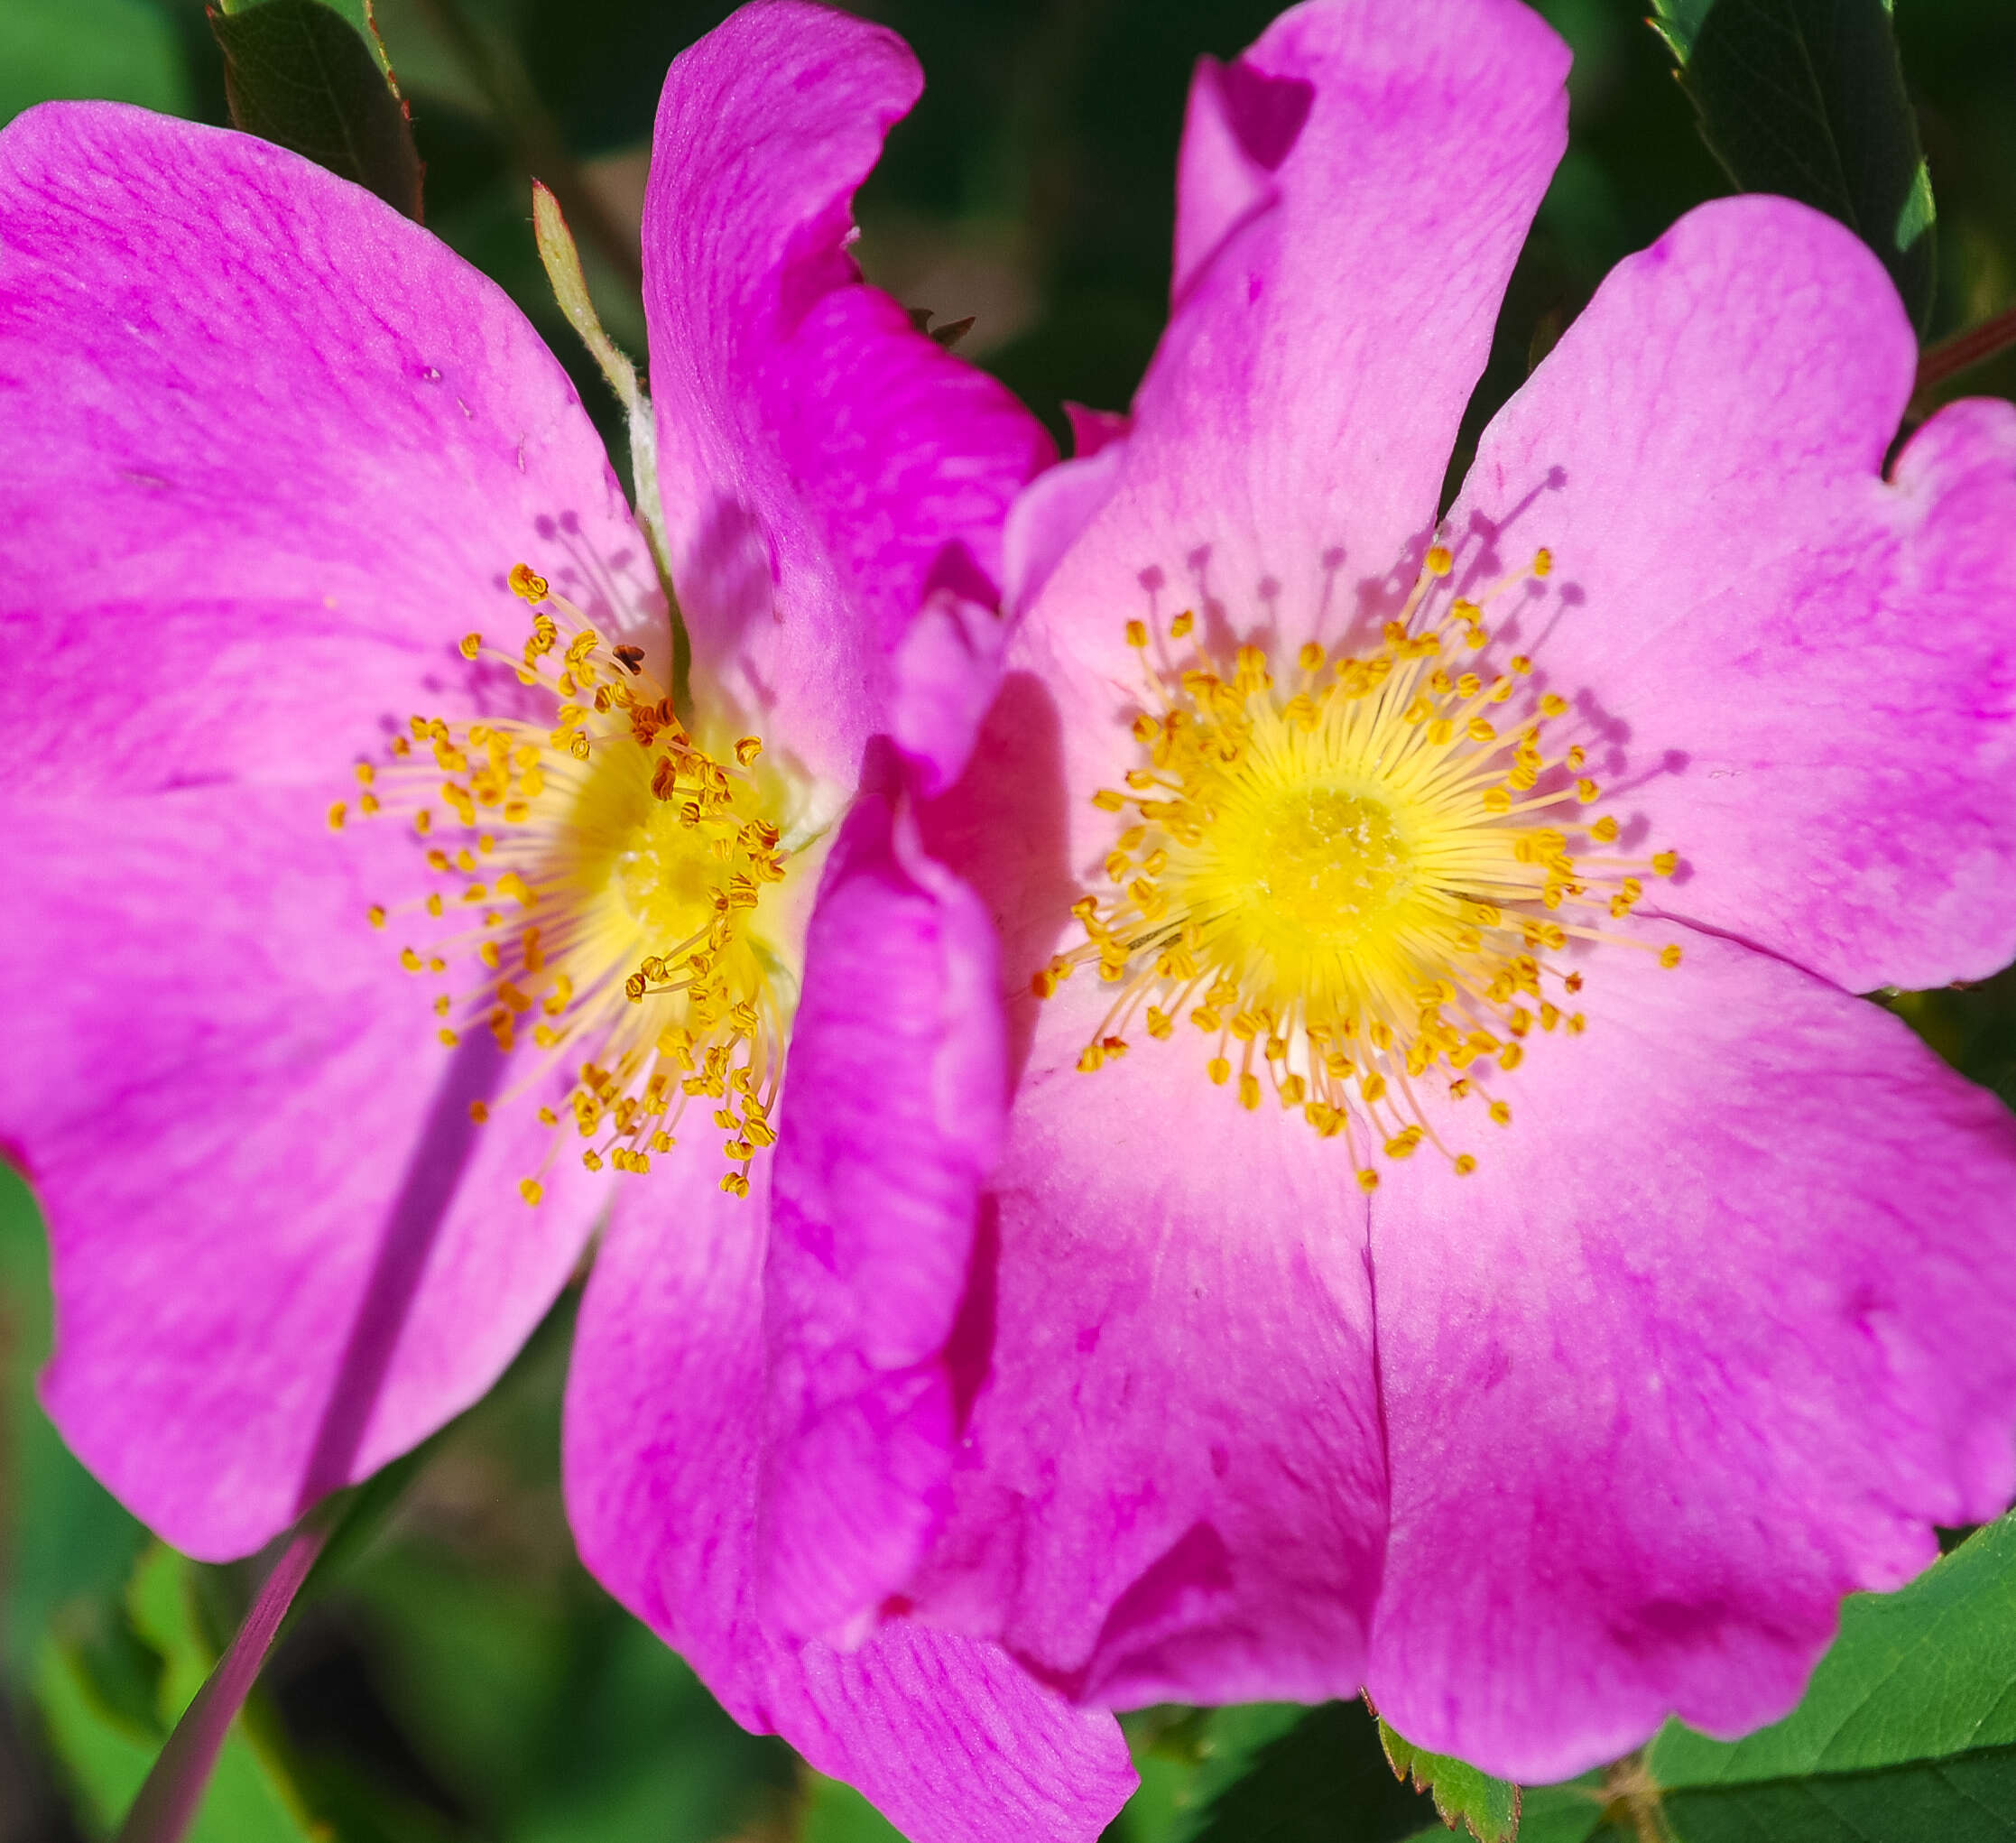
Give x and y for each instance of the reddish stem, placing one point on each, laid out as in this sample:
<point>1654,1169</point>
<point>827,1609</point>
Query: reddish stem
<point>168,1801</point>
<point>1938,363</point>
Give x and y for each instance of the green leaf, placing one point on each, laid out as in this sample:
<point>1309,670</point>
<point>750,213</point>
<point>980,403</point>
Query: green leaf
<point>1227,1747</point>
<point>1570,1813</point>
<point>1463,1795</point>
<point>105,1738</point>
<point>66,1538</point>
<point>1678,23</point>
<point>1907,1732</point>
<point>104,1756</point>
<point>1186,1758</point>
<point>1970,1797</point>
<point>161,1607</point>
<point>124,51</point>
<point>300,75</point>
<point>1926,1672</point>
<point>1807,98</point>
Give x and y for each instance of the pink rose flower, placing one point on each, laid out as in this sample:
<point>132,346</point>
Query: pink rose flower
<point>1458,1232</point>
<point>325,611</point>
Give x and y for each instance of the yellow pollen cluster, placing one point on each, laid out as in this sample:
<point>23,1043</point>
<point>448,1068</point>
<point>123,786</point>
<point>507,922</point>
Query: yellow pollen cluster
<point>1353,889</point>
<point>602,877</point>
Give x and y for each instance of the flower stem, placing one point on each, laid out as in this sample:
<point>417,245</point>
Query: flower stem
<point>168,1801</point>
<point>1938,363</point>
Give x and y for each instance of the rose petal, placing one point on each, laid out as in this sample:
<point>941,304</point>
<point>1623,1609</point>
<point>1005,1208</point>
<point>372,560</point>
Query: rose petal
<point>1802,677</point>
<point>897,1080</point>
<point>1353,191</point>
<point>827,468</point>
<point>268,450</point>
<point>949,1738</point>
<point>256,502</point>
<point>1724,1322</point>
<point>283,1251</point>
<point>1172,1483</point>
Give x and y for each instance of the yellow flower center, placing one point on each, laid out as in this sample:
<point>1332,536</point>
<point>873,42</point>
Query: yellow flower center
<point>1355,888</point>
<point>605,875</point>
<point>1305,872</point>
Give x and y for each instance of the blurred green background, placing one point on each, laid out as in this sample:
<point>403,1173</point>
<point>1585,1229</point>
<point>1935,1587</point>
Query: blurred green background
<point>462,1678</point>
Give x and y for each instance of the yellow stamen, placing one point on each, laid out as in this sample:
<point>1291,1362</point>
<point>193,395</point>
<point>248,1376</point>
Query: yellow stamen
<point>622,909</point>
<point>1359,878</point>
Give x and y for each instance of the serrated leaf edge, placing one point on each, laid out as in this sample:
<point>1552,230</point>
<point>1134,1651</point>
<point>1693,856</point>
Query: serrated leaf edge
<point>1412,1774</point>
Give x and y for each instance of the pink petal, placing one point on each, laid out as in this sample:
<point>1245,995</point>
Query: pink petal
<point>1051,515</point>
<point>897,1083</point>
<point>1171,1484</point>
<point>1046,519</point>
<point>1353,193</point>
<point>283,1252</point>
<point>1092,429</point>
<point>950,1739</point>
<point>1723,1322</point>
<point>268,450</point>
<point>1807,675</point>
<point>825,468</point>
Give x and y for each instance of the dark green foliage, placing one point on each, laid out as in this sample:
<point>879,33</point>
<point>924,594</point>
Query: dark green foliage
<point>1807,98</point>
<point>1326,1778</point>
<point>298,75</point>
<point>1971,1798</point>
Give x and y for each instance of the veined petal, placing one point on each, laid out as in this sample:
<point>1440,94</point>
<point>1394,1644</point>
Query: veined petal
<point>949,1738</point>
<point>269,451</point>
<point>1171,1484</point>
<point>1724,1322</point>
<point>1803,675</point>
<point>897,1078</point>
<point>1353,191</point>
<point>828,470</point>
<point>285,1252</point>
